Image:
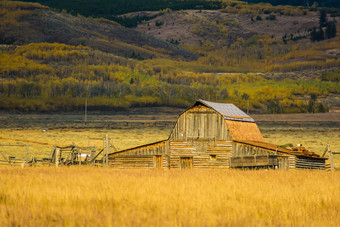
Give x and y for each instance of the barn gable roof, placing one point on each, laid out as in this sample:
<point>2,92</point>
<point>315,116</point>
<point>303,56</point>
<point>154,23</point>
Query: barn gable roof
<point>228,110</point>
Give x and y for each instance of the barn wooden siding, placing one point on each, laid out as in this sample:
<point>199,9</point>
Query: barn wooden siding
<point>175,154</point>
<point>200,139</point>
<point>153,155</point>
<point>200,122</point>
<point>310,163</point>
<point>200,154</point>
<point>245,155</point>
<point>283,160</point>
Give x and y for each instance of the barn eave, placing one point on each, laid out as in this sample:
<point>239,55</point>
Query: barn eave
<point>275,148</point>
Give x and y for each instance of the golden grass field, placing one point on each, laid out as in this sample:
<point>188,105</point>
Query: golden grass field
<point>88,196</point>
<point>95,196</point>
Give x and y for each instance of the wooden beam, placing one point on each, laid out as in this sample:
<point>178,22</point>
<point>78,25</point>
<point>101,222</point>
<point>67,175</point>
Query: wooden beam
<point>107,151</point>
<point>94,158</point>
<point>57,157</point>
<point>26,154</point>
<point>331,158</point>
<point>79,156</point>
<point>326,149</point>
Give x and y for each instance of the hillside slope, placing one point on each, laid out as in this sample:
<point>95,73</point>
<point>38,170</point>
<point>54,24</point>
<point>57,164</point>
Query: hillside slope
<point>23,23</point>
<point>54,61</point>
<point>194,27</point>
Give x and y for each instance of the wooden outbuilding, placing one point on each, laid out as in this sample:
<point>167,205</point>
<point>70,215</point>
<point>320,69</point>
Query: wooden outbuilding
<point>213,135</point>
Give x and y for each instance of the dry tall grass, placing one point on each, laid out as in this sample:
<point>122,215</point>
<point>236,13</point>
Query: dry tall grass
<point>79,196</point>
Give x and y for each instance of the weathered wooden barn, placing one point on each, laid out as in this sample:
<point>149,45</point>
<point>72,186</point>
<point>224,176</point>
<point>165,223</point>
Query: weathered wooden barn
<point>214,136</point>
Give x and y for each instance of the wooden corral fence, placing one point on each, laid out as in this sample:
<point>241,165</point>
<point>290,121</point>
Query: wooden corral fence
<point>12,160</point>
<point>63,155</point>
<point>331,154</point>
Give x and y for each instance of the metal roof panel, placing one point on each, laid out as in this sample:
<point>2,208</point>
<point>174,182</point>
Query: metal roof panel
<point>228,110</point>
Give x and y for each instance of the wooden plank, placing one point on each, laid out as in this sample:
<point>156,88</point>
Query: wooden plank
<point>57,157</point>
<point>249,161</point>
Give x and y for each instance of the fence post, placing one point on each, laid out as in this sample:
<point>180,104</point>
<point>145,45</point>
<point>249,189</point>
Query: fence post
<point>57,157</point>
<point>79,157</point>
<point>26,154</point>
<point>330,155</point>
<point>103,151</point>
<point>107,151</point>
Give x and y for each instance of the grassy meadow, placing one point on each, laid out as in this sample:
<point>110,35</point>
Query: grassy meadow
<point>95,196</point>
<point>81,196</point>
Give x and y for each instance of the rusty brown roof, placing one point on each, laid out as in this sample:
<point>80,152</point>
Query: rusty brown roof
<point>247,131</point>
<point>274,147</point>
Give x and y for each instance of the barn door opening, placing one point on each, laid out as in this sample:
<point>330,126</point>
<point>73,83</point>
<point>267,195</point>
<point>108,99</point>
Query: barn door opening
<point>158,161</point>
<point>186,163</point>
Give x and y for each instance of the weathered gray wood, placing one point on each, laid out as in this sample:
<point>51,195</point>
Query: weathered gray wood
<point>96,156</point>
<point>107,150</point>
<point>254,161</point>
<point>79,156</point>
<point>26,154</point>
<point>200,123</point>
<point>331,161</point>
<point>53,154</point>
<point>57,157</point>
<point>326,149</point>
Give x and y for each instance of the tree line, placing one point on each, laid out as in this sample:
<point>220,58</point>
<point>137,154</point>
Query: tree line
<point>58,77</point>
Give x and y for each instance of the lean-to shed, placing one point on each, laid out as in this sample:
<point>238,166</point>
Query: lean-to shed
<point>213,135</point>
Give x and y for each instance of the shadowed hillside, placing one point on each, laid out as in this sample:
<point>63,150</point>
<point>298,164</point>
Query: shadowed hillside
<point>23,23</point>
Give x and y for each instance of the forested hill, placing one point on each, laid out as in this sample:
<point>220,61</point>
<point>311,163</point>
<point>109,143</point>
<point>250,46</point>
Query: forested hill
<point>109,8</point>
<point>260,57</point>
<point>23,23</point>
